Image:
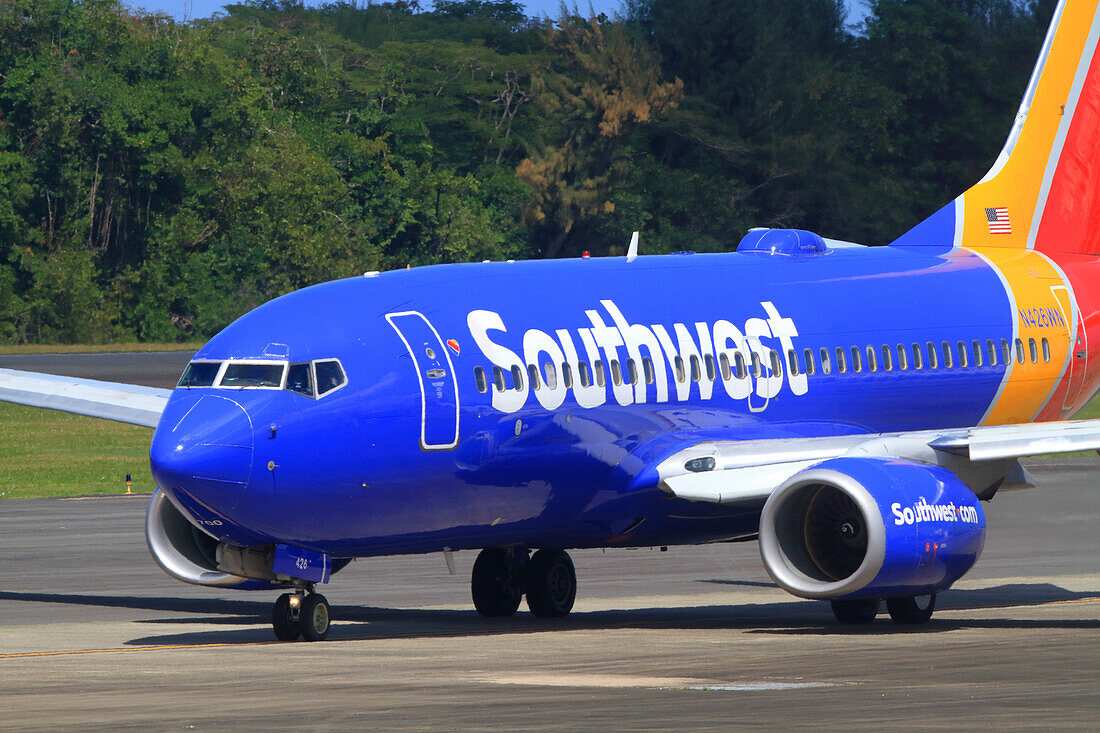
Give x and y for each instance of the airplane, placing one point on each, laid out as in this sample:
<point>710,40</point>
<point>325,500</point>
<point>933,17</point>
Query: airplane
<point>849,407</point>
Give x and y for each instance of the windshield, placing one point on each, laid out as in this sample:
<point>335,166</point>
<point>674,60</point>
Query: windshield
<point>200,374</point>
<point>253,375</point>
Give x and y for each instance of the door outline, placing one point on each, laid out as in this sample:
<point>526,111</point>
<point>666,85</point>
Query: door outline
<point>1075,321</point>
<point>420,378</point>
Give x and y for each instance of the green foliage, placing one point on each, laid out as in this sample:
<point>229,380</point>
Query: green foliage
<point>158,179</point>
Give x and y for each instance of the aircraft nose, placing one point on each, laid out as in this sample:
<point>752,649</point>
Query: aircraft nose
<point>203,447</point>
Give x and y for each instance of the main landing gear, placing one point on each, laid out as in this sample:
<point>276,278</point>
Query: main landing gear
<point>903,610</point>
<point>502,577</point>
<point>297,614</point>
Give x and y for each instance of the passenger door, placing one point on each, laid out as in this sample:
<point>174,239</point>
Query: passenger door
<point>435,372</point>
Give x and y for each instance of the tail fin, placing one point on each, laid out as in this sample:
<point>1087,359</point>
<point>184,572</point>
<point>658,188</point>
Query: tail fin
<point>1043,191</point>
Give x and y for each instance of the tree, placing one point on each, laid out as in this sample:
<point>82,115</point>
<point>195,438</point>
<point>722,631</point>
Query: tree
<point>599,88</point>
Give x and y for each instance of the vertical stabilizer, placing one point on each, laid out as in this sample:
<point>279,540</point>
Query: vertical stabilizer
<point>1043,191</point>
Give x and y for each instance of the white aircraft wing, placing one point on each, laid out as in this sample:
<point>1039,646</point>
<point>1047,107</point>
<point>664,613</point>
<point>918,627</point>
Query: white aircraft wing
<point>129,403</point>
<point>748,471</point>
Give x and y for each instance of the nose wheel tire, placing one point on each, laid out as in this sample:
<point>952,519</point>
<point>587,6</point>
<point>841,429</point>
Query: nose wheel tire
<point>315,617</point>
<point>858,611</point>
<point>551,584</point>
<point>911,609</point>
<point>497,583</point>
<point>287,621</point>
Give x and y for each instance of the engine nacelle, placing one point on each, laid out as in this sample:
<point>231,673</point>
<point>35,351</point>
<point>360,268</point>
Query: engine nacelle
<point>870,528</point>
<point>186,552</point>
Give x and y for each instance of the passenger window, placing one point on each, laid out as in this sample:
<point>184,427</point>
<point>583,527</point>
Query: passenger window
<point>1034,351</point>
<point>299,379</point>
<point>1046,350</point>
<point>777,363</point>
<point>601,375</point>
<point>887,358</point>
<point>792,362</point>
<point>872,363</point>
<point>977,353</point>
<point>584,374</point>
<point>1020,358</point>
<point>932,357</point>
<point>200,374</point>
<point>498,378</point>
<point>708,362</point>
<point>242,375</point>
<point>841,365</point>
<point>533,374</point>
<point>739,365</point>
<point>479,377</point>
<point>1006,352</point>
<point>991,349</point>
<point>724,363</point>
<point>616,373</point>
<point>808,356</point>
<point>757,369</point>
<point>826,366</point>
<point>947,360</point>
<point>678,364</point>
<point>960,347</point>
<point>903,361</point>
<point>566,375</point>
<point>695,371</point>
<point>857,363</point>
<point>647,368</point>
<point>330,375</point>
<point>631,372</point>
<point>551,375</point>
<point>517,377</point>
<point>918,361</point>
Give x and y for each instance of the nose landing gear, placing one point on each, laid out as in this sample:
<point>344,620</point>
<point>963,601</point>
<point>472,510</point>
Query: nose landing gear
<point>297,614</point>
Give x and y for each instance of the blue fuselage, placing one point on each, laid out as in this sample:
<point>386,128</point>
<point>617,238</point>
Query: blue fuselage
<point>373,468</point>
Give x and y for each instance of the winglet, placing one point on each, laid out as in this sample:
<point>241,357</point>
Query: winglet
<point>632,251</point>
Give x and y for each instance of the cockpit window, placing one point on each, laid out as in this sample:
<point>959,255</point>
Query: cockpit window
<point>330,375</point>
<point>244,374</point>
<point>200,374</point>
<point>299,379</point>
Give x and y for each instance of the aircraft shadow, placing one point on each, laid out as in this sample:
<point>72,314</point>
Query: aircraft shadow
<point>356,622</point>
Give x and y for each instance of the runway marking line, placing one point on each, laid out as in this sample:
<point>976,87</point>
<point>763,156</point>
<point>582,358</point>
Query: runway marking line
<point>138,649</point>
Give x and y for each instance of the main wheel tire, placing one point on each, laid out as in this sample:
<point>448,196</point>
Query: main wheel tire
<point>287,628</point>
<point>496,583</point>
<point>551,584</point>
<point>315,617</point>
<point>911,609</point>
<point>857,611</point>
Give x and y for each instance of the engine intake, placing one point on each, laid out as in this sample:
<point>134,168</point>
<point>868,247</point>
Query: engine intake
<point>186,552</point>
<point>870,527</point>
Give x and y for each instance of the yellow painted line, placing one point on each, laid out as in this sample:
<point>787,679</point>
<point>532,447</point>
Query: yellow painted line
<point>64,652</point>
<point>1074,600</point>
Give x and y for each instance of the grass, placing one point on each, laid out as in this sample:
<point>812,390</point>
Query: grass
<point>45,453</point>
<point>94,348</point>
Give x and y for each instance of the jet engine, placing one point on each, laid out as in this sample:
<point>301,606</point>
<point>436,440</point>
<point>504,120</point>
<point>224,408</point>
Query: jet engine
<point>187,553</point>
<point>870,528</point>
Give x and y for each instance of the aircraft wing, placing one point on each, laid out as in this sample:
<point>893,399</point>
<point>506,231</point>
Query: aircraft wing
<point>129,403</point>
<point>732,472</point>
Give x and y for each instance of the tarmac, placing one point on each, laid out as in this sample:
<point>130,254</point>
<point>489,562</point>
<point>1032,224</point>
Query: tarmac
<point>93,634</point>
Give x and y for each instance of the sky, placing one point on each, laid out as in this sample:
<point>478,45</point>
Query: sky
<point>192,9</point>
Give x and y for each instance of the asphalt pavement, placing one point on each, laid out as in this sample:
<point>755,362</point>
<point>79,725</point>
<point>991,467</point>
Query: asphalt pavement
<point>93,634</point>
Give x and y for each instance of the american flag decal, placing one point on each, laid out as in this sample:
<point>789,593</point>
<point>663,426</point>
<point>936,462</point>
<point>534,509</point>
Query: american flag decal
<point>998,220</point>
